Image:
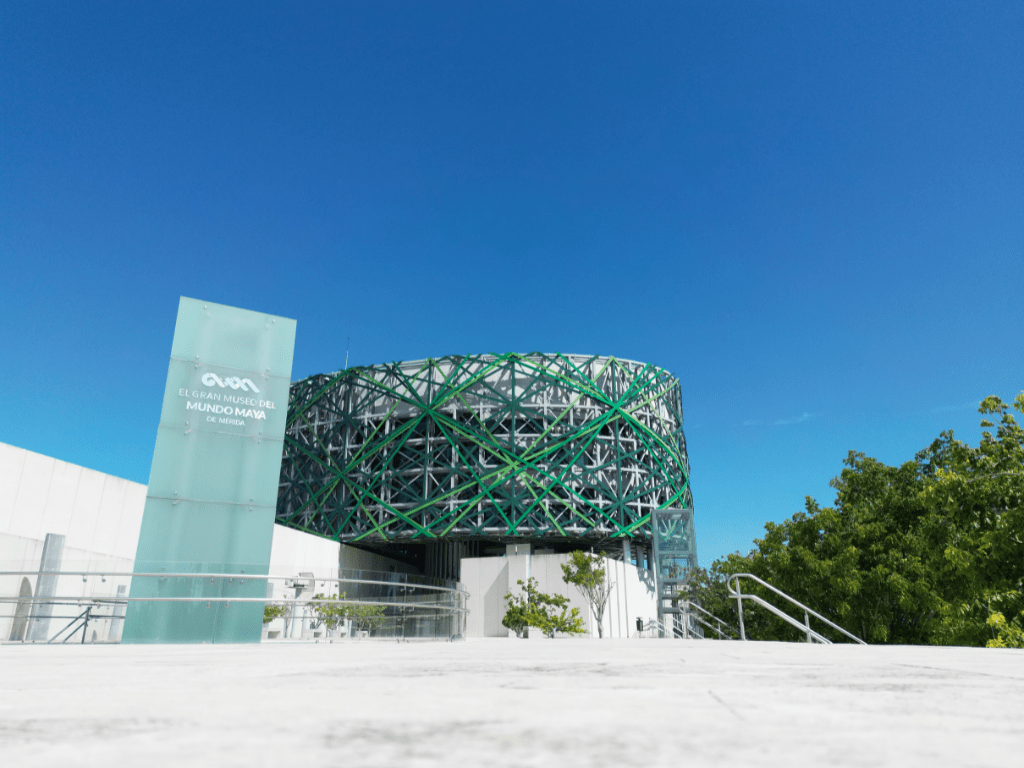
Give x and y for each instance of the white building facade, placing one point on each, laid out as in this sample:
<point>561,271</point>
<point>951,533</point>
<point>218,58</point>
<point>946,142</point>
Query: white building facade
<point>489,579</point>
<point>56,516</point>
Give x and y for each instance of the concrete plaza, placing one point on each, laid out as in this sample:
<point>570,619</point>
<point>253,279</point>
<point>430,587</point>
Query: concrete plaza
<point>510,702</point>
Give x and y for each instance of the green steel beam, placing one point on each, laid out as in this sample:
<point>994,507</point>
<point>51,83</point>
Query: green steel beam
<point>494,446</point>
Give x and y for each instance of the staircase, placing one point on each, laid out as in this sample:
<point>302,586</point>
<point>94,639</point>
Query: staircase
<point>687,620</point>
<point>736,591</point>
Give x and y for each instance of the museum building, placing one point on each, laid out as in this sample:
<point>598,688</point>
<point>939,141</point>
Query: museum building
<point>447,463</point>
<point>473,472</point>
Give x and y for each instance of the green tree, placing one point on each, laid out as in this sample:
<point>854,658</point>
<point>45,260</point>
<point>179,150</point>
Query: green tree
<point>925,552</point>
<point>272,611</point>
<point>366,618</point>
<point>517,614</point>
<point>1008,634</point>
<point>585,572</point>
<point>330,613</point>
<point>548,613</point>
<point>707,588</point>
<point>975,527</point>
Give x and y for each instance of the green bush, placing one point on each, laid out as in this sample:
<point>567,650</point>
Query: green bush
<point>548,613</point>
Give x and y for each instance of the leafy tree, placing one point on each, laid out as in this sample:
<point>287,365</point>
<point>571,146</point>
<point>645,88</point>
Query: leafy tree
<point>366,617</point>
<point>517,614</point>
<point>330,613</point>
<point>272,611</point>
<point>975,528</point>
<point>707,588</point>
<point>585,573</point>
<point>548,613</point>
<point>1008,634</point>
<point>930,551</point>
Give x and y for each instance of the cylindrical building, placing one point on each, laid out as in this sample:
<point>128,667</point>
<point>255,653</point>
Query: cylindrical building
<point>434,459</point>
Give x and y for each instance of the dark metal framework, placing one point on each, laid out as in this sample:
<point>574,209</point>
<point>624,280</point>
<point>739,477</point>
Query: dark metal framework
<point>485,447</point>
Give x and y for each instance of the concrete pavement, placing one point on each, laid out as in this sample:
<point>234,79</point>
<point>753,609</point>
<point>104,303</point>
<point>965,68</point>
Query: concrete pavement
<point>572,702</point>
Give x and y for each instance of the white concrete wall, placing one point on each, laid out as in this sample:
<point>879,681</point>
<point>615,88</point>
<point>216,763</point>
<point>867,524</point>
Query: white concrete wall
<point>489,579</point>
<point>486,580</point>
<point>632,597</point>
<point>292,552</point>
<point>100,515</point>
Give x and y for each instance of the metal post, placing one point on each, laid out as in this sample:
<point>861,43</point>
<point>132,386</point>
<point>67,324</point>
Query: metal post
<point>807,623</point>
<point>85,623</point>
<point>739,608</point>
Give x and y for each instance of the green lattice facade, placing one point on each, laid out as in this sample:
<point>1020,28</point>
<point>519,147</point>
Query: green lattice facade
<point>486,447</point>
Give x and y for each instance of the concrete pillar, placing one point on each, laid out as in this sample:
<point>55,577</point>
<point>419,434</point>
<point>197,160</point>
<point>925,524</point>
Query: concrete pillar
<point>46,586</point>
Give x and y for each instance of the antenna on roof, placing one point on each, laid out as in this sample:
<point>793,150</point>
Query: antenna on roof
<point>348,340</point>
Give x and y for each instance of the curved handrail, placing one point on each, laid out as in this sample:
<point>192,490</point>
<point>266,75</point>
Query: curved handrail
<point>103,600</point>
<point>239,577</point>
<point>737,593</point>
<point>436,599</point>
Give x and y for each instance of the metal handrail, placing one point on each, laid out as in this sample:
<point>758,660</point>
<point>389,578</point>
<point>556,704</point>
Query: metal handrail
<point>713,628</point>
<point>239,576</point>
<point>648,626</point>
<point>690,604</point>
<point>73,600</point>
<point>663,629</point>
<point>71,627</point>
<point>438,602</point>
<point>737,592</point>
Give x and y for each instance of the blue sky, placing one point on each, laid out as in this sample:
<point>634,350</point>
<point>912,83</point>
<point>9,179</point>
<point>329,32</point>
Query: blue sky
<point>811,213</point>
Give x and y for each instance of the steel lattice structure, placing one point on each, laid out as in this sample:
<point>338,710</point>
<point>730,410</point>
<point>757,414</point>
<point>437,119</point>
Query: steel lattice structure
<point>484,447</point>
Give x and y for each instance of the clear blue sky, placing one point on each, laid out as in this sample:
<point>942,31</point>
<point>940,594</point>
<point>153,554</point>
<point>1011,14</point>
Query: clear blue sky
<point>811,213</point>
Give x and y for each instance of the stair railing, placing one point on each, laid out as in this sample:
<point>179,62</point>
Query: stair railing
<point>690,605</point>
<point>736,591</point>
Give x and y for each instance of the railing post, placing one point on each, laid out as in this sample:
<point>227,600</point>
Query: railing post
<point>807,623</point>
<point>739,608</point>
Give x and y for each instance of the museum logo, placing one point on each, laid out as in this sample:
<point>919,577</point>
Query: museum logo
<point>213,380</point>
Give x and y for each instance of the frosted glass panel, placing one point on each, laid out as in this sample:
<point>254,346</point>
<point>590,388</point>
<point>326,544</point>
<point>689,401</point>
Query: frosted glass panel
<point>213,484</point>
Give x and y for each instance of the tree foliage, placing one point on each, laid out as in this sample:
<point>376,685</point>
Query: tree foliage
<point>548,613</point>
<point>931,551</point>
<point>587,574</point>
<point>1008,634</point>
<point>366,618</point>
<point>330,613</point>
<point>273,611</point>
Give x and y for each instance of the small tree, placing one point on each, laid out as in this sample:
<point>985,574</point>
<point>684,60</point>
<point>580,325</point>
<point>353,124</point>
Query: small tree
<point>536,609</point>
<point>366,617</point>
<point>329,613</point>
<point>517,617</point>
<point>272,611</point>
<point>585,572</point>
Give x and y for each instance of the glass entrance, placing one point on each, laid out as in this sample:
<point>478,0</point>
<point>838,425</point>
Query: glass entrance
<point>675,553</point>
